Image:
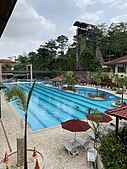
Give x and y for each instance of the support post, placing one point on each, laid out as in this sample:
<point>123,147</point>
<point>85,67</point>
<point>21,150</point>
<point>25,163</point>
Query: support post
<point>31,71</point>
<point>0,72</point>
<point>117,125</point>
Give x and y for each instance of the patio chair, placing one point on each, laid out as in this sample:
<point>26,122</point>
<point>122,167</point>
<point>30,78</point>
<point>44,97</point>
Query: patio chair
<point>91,135</point>
<point>71,147</point>
<point>91,156</point>
<point>84,143</point>
<point>109,128</point>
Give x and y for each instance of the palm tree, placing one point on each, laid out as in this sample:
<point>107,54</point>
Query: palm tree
<point>114,78</point>
<point>69,79</point>
<point>121,83</point>
<point>17,95</point>
<point>98,78</point>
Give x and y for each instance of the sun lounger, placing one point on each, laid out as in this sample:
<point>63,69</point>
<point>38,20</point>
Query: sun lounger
<point>71,147</point>
<point>84,143</point>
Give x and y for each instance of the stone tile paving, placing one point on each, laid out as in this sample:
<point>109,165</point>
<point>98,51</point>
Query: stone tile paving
<point>48,142</point>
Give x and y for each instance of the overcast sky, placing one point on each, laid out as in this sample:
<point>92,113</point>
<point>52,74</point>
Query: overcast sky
<point>34,22</point>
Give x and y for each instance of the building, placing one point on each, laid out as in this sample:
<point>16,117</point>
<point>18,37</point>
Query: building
<point>119,66</point>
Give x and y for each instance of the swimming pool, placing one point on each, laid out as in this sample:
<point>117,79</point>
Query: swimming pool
<point>50,106</point>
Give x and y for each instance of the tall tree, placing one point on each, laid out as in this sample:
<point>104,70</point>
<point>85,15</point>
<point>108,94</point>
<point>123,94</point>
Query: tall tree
<point>62,42</point>
<point>117,33</point>
<point>88,60</point>
<point>21,62</point>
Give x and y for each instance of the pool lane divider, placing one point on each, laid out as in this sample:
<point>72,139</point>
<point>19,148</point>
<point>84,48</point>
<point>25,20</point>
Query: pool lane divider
<point>6,136</point>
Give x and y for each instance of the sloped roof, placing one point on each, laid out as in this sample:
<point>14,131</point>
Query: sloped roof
<point>117,61</point>
<point>6,61</point>
<point>83,24</point>
<point>120,112</point>
<point>56,79</point>
<point>6,8</point>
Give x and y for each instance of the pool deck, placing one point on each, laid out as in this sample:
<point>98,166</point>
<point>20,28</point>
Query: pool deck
<point>47,141</point>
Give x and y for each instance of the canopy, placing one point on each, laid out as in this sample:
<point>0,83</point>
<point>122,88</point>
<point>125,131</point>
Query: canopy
<point>119,113</point>
<point>75,125</point>
<point>56,79</point>
<point>120,60</point>
<point>83,24</point>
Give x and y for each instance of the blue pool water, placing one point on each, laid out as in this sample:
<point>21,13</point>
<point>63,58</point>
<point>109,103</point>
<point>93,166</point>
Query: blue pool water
<point>51,106</point>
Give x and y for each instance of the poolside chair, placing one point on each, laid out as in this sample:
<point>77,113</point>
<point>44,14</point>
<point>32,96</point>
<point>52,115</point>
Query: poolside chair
<point>84,143</point>
<point>71,147</point>
<point>91,135</point>
<point>91,156</point>
<point>109,128</point>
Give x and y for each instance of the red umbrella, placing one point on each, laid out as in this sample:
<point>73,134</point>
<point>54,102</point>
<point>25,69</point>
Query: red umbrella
<point>103,118</point>
<point>75,125</point>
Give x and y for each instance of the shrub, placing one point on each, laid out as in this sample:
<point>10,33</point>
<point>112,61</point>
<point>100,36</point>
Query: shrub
<point>111,151</point>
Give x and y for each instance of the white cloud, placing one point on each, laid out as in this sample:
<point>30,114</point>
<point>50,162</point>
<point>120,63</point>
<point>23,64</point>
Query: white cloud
<point>120,18</point>
<point>16,47</point>
<point>85,3</point>
<point>122,6</point>
<point>92,17</point>
<point>26,22</point>
<point>82,3</point>
<point>25,31</point>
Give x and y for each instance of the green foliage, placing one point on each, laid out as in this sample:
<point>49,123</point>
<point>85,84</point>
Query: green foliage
<point>88,60</point>
<point>121,83</point>
<point>18,95</point>
<point>98,77</point>
<point>69,79</point>
<point>103,69</point>
<point>111,152</point>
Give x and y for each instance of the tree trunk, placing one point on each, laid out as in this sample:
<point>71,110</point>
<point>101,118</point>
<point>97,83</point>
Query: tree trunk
<point>25,143</point>
<point>122,94</point>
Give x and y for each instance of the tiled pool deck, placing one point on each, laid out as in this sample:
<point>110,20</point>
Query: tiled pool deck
<point>48,141</point>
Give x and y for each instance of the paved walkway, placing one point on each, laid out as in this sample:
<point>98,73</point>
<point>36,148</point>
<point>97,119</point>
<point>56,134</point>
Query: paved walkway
<point>48,142</point>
